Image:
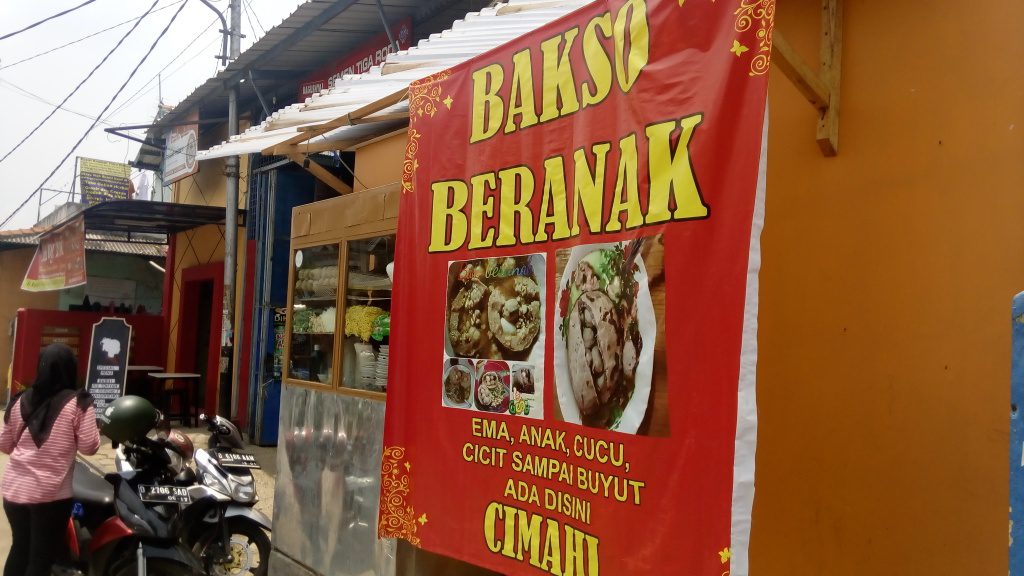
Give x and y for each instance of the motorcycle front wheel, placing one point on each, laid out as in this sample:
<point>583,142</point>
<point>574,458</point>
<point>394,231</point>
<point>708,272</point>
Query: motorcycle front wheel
<point>156,567</point>
<point>249,549</point>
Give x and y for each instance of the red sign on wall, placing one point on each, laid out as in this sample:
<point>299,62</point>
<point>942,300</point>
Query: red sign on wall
<point>574,318</point>
<point>59,261</point>
<point>368,55</point>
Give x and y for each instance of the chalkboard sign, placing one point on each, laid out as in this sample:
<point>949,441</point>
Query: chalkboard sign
<point>108,361</point>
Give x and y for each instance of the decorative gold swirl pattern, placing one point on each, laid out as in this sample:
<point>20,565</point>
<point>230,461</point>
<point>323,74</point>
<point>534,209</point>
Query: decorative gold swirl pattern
<point>424,99</point>
<point>425,95</point>
<point>397,517</point>
<point>762,14</point>
<point>409,165</point>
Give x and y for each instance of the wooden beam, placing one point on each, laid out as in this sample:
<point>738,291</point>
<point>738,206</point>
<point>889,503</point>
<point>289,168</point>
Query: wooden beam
<point>321,173</point>
<point>822,88</point>
<point>366,120</point>
<point>799,73</point>
<point>831,67</point>
<point>330,146</point>
<point>347,119</point>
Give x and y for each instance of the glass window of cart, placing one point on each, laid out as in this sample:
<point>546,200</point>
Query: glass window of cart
<point>314,313</point>
<point>367,313</point>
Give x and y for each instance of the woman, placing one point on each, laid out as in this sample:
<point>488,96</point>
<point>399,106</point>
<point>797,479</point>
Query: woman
<point>43,429</point>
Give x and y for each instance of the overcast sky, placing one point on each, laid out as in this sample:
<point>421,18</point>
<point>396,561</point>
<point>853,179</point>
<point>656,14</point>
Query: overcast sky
<point>29,91</point>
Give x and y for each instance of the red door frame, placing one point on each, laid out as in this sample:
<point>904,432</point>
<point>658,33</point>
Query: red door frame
<point>185,360</point>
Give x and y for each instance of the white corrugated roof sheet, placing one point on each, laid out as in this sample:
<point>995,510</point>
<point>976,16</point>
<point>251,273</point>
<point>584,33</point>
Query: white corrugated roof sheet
<point>477,33</point>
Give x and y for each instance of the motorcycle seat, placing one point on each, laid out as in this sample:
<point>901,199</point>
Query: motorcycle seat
<point>91,488</point>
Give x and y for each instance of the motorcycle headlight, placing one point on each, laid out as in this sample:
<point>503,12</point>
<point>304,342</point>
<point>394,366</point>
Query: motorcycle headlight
<point>243,492</point>
<point>216,483</point>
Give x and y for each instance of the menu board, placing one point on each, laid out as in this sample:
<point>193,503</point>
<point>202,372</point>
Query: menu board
<point>575,296</point>
<point>108,361</point>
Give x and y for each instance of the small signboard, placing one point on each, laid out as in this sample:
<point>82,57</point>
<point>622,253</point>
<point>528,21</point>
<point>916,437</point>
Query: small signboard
<point>59,261</point>
<point>102,180</point>
<point>180,154</point>
<point>108,361</point>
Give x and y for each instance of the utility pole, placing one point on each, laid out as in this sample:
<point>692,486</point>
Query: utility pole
<point>228,375</point>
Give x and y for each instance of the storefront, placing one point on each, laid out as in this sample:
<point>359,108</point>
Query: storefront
<point>125,248</point>
<point>882,430</point>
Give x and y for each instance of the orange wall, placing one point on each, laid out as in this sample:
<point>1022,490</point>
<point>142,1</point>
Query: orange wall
<point>887,277</point>
<point>380,163</point>
<point>13,264</point>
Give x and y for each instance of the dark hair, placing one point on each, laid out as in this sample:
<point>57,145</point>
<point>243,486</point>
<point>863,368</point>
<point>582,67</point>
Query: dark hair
<point>58,370</point>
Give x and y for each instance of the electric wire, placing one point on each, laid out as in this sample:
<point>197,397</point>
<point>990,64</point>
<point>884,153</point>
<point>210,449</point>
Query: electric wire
<point>47,19</point>
<point>249,10</point>
<point>100,115</point>
<point>97,33</point>
<point>84,80</point>
<point>42,100</point>
<point>252,26</point>
<point>256,17</point>
<point>132,99</point>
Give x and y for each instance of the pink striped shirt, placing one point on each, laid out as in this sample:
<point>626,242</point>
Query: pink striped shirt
<point>36,475</point>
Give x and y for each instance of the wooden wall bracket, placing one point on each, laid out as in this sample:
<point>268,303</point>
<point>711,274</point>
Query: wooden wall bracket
<point>822,88</point>
<point>320,173</point>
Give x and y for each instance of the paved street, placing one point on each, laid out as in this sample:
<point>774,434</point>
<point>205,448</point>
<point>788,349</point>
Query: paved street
<point>104,461</point>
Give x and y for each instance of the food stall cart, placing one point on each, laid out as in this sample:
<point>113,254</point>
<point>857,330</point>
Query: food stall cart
<point>335,376</point>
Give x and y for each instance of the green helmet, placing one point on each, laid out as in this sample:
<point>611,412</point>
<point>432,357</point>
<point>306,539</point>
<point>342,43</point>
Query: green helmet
<point>127,418</point>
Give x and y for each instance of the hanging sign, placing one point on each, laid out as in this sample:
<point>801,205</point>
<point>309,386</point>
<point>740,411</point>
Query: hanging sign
<point>102,180</point>
<point>574,322</point>
<point>182,142</point>
<point>59,261</point>
<point>108,361</point>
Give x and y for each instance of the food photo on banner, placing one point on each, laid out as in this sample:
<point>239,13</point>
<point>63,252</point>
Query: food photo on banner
<point>575,305</point>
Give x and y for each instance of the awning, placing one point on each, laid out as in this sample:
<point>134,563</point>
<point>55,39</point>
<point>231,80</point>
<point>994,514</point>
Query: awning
<point>360,107</point>
<point>141,217</point>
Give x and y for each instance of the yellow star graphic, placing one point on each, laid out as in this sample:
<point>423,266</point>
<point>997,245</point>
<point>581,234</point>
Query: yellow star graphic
<point>448,101</point>
<point>422,520</point>
<point>725,555</point>
<point>737,48</point>
<point>408,466</point>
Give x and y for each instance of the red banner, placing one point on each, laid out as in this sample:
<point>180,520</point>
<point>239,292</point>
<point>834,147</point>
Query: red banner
<point>59,261</point>
<point>370,54</point>
<point>574,324</point>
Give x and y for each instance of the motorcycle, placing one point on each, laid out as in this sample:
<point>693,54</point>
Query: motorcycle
<point>229,537</point>
<point>113,533</point>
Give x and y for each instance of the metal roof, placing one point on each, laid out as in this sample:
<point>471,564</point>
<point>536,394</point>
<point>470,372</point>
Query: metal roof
<point>316,34</point>
<point>141,217</point>
<point>476,34</point>
<point>124,226</point>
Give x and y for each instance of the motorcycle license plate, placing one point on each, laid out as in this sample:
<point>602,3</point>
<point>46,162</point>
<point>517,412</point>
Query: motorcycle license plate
<point>164,494</point>
<point>237,460</point>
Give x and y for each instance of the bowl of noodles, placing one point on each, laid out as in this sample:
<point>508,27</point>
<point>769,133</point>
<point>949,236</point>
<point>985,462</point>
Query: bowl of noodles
<point>492,386</point>
<point>457,386</point>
